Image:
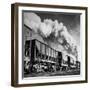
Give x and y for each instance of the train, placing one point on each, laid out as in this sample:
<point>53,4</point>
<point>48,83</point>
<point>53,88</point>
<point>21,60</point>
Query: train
<point>40,57</point>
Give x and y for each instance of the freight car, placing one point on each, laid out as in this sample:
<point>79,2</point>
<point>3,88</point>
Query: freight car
<point>39,57</point>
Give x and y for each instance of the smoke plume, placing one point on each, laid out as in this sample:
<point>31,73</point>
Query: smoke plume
<point>51,30</point>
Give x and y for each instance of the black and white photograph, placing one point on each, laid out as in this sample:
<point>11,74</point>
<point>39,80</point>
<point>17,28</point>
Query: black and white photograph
<point>51,43</point>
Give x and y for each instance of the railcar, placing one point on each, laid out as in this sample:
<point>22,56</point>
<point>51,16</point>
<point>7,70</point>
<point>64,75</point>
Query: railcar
<point>43,58</point>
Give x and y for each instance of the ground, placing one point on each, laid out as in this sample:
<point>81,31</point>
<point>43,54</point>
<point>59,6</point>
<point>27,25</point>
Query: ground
<point>57,73</point>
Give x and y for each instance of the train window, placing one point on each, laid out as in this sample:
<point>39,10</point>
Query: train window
<point>59,54</point>
<point>51,52</point>
<point>37,49</point>
<point>50,58</point>
<point>56,53</point>
<point>46,56</point>
<point>47,51</point>
<point>54,59</point>
<point>38,45</point>
<point>43,49</point>
<point>27,48</point>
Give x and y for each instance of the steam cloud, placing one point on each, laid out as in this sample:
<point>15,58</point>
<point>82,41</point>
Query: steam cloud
<point>51,30</point>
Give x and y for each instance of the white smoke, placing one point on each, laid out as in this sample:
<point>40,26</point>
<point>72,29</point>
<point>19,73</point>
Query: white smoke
<point>49,28</point>
<point>46,29</point>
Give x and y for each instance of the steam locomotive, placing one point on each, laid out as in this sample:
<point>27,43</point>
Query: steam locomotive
<point>40,57</point>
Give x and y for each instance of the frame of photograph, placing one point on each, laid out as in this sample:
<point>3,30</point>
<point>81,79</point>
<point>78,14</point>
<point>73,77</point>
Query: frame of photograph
<point>17,10</point>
